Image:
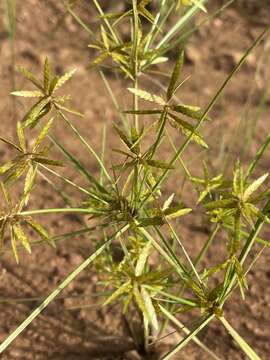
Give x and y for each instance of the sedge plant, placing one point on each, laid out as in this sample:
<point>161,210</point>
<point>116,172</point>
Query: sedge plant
<point>141,259</point>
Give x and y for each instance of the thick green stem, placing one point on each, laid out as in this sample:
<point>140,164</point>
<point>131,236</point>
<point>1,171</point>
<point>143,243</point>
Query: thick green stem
<point>189,337</point>
<point>239,340</point>
<point>53,211</point>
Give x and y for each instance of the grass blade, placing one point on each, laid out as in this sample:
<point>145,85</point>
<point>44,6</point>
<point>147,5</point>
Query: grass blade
<point>239,340</point>
<point>179,25</point>
<point>187,331</point>
<point>188,338</point>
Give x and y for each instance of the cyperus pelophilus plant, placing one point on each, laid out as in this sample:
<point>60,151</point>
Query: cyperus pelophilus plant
<point>155,271</point>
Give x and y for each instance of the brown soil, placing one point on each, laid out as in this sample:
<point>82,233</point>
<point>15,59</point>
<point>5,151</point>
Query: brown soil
<point>93,332</point>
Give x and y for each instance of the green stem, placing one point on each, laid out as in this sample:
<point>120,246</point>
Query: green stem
<point>162,123</point>
<point>106,21</point>
<point>171,258</point>
<point>53,211</point>
<point>179,25</point>
<point>196,263</point>
<point>114,100</point>
<point>258,156</point>
<point>65,179</point>
<point>154,27</point>
<point>239,340</point>
<point>184,252</point>
<point>187,332</point>
<point>87,145</point>
<point>79,20</point>
<point>206,245</point>
<point>136,102</point>
<point>189,337</point>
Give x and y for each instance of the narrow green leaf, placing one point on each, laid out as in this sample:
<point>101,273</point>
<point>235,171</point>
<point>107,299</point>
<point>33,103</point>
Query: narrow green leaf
<point>239,340</point>
<point>140,301</point>
<point>53,83</point>
<point>37,111</point>
<point>20,235</point>
<point>175,75</point>
<point>6,167</point>
<point>143,112</point>
<point>105,38</point>
<point>39,230</point>
<point>158,164</point>
<point>26,93</point>
<point>63,79</point>
<point>14,245</point>
<point>254,186</point>
<point>6,195</point>
<point>194,112</point>
<point>240,277</point>
<point>8,142</point>
<point>190,336</point>
<point>220,204</point>
<point>145,95</point>
<point>117,293</point>
<point>145,252</point>
<point>28,75</point>
<point>46,161</point>
<point>71,111</point>
<point>174,213</point>
<point>146,14</point>
<point>187,331</point>
<point>150,308</point>
<point>44,131</point>
<point>123,136</point>
<point>29,182</point>
<point>46,76</point>
<point>21,136</point>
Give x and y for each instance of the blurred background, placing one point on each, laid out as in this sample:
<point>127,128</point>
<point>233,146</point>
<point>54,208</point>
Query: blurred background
<point>75,326</point>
